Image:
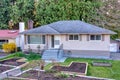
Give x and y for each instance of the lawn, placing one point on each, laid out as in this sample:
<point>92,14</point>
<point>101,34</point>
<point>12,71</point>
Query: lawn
<point>104,72</point>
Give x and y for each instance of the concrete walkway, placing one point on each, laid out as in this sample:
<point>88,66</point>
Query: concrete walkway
<point>11,72</point>
<point>115,56</point>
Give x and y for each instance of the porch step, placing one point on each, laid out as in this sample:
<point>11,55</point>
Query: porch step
<point>52,54</point>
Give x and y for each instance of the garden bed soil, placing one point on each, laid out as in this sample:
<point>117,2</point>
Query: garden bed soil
<point>33,74</point>
<point>4,68</point>
<point>74,67</point>
<point>12,62</point>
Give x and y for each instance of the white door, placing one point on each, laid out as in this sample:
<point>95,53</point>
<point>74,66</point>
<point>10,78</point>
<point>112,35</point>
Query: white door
<point>113,47</point>
<point>56,41</point>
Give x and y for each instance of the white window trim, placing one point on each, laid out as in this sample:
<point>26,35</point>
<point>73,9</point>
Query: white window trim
<point>35,35</point>
<point>95,37</point>
<point>73,37</point>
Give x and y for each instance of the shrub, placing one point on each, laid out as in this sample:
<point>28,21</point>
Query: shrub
<point>0,46</point>
<point>19,49</point>
<point>33,56</point>
<point>62,75</point>
<point>9,47</point>
<point>50,71</point>
<point>20,54</point>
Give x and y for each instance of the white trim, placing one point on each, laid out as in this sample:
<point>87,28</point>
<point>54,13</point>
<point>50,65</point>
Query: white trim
<point>36,43</point>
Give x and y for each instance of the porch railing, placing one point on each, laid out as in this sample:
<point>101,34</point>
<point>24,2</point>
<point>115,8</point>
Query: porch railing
<point>60,48</point>
<point>45,48</point>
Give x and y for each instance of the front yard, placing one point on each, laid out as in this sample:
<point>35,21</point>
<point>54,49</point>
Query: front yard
<point>112,72</point>
<point>104,72</point>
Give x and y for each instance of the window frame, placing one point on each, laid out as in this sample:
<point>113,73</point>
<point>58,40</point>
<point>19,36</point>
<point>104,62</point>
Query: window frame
<point>95,37</point>
<point>42,37</point>
<point>73,37</point>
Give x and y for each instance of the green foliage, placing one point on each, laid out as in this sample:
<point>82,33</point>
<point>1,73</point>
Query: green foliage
<point>62,75</point>
<point>22,11</point>
<point>50,71</point>
<point>32,56</point>
<point>4,13</point>
<point>74,75</point>
<point>48,11</point>
<point>19,54</point>
<point>0,46</point>
<point>29,57</point>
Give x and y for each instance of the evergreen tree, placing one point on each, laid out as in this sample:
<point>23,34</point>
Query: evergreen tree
<point>4,13</point>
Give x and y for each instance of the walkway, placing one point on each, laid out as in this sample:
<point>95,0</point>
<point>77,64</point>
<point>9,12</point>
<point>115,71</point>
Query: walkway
<point>115,56</point>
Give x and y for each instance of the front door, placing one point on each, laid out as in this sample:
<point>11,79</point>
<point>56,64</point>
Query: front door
<point>55,41</point>
<point>52,41</point>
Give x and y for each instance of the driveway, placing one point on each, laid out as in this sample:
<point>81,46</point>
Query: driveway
<point>115,56</point>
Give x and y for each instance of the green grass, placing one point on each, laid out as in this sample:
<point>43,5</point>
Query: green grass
<point>104,72</point>
<point>29,57</point>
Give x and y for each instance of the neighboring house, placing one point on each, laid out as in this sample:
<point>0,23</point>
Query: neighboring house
<point>9,36</point>
<point>76,39</point>
<point>115,45</point>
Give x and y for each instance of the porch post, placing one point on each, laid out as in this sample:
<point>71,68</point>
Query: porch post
<point>47,46</point>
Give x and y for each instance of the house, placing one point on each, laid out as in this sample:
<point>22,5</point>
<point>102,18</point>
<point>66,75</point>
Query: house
<point>72,38</point>
<point>115,46</point>
<point>8,36</point>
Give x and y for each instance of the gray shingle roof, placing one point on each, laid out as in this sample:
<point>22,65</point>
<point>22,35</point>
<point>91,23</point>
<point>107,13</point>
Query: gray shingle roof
<point>69,27</point>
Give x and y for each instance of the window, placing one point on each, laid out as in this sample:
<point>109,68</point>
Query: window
<point>95,37</point>
<point>3,41</point>
<point>36,39</point>
<point>73,37</point>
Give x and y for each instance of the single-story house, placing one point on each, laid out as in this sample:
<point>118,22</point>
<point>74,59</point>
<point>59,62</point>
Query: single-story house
<point>9,36</point>
<point>74,37</point>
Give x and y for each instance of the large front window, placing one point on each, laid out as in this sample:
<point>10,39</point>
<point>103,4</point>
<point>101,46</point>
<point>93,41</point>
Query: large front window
<point>95,37</point>
<point>36,39</point>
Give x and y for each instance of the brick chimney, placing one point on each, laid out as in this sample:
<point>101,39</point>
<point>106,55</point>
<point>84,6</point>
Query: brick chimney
<point>30,24</point>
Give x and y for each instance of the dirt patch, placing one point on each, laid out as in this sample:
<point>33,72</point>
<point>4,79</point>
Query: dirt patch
<point>4,68</point>
<point>33,74</point>
<point>75,67</point>
<point>12,62</point>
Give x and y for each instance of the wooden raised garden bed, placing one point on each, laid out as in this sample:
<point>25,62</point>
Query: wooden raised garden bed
<point>74,68</point>
<point>105,64</point>
<point>13,62</point>
<point>4,68</point>
<point>33,75</point>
